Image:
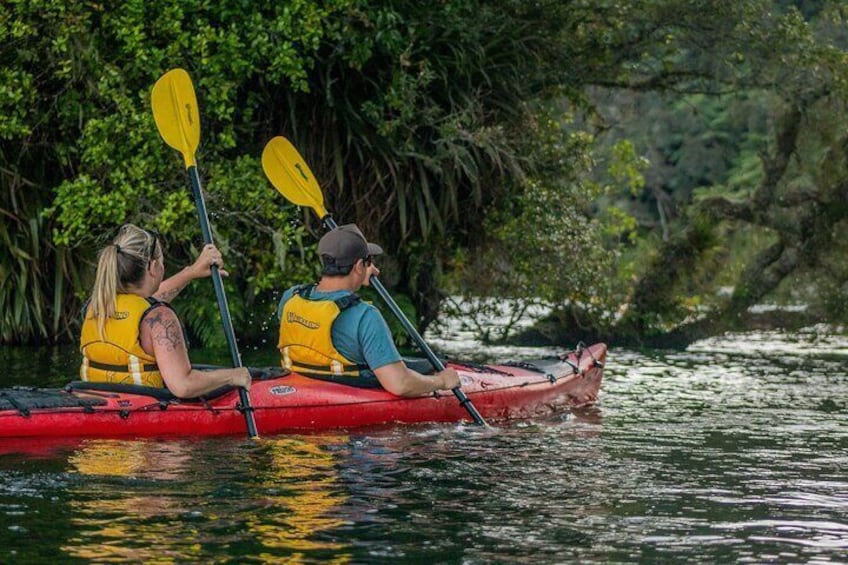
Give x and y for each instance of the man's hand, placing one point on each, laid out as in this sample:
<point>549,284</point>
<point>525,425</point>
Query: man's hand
<point>450,378</point>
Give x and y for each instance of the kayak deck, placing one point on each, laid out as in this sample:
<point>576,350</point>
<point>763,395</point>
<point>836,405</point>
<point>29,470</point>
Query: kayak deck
<point>292,402</point>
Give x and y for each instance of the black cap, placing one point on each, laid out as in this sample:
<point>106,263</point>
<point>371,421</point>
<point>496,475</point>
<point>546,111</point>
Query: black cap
<point>344,246</point>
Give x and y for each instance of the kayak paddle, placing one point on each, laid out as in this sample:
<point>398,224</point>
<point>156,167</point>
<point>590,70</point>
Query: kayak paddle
<point>292,178</point>
<point>178,120</point>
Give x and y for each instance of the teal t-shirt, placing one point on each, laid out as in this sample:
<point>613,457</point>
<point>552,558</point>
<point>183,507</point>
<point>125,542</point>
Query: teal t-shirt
<point>359,333</point>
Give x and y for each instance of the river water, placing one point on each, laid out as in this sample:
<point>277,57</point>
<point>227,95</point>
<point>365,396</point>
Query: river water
<point>735,450</point>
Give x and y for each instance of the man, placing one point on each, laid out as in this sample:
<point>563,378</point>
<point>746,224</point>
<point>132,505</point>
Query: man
<point>328,332</point>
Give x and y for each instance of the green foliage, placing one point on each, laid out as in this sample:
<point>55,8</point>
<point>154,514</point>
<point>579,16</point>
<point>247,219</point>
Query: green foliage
<point>627,167</point>
<point>545,247</point>
<point>421,108</point>
<point>404,302</point>
<point>660,301</point>
<point>459,133</point>
<point>425,111</point>
<point>75,123</point>
<point>767,221</point>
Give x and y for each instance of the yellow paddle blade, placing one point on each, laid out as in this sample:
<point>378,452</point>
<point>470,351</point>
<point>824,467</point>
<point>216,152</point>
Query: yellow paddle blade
<point>175,113</point>
<point>291,176</point>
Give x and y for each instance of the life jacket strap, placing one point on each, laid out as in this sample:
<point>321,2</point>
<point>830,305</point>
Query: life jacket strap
<point>147,367</point>
<point>345,302</point>
<point>334,368</point>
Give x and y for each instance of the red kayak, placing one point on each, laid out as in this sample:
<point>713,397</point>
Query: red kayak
<point>292,402</point>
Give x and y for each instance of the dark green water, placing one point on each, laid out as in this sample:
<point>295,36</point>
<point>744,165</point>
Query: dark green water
<point>733,451</point>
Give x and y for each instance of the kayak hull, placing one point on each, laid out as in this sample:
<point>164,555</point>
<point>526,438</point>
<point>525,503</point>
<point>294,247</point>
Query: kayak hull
<point>293,403</point>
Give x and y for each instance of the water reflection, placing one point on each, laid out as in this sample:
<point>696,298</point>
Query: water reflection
<point>181,501</point>
<point>301,492</point>
<point>120,513</point>
<point>131,459</point>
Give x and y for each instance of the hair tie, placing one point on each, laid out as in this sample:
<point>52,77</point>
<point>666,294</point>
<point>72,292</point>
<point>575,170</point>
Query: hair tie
<point>117,247</point>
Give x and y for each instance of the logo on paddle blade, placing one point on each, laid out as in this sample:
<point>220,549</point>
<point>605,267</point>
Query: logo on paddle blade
<point>300,170</point>
<point>282,390</point>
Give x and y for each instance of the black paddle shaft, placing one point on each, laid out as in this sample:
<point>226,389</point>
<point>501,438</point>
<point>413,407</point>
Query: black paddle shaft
<point>221,295</point>
<point>464,401</point>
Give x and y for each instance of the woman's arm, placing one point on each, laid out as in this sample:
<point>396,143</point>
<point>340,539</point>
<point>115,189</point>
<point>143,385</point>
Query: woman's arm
<point>162,337</point>
<point>202,267</point>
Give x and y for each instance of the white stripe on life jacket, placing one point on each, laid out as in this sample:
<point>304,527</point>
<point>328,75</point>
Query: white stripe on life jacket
<point>286,358</point>
<point>135,369</point>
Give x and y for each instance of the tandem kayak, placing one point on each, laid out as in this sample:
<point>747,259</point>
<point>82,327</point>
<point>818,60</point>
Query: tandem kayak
<point>292,402</point>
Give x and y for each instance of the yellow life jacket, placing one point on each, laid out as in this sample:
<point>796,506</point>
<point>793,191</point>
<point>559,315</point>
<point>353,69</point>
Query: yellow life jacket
<point>119,358</point>
<point>306,342</point>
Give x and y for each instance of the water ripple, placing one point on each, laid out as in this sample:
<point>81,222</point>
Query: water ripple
<point>732,451</point>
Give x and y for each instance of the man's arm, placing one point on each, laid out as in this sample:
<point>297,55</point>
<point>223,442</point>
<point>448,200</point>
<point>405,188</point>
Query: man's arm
<point>382,356</point>
<point>400,380</point>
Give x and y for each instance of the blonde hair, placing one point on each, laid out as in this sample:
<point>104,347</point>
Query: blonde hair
<point>120,266</point>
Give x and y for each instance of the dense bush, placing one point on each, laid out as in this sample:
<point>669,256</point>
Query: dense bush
<point>463,135</point>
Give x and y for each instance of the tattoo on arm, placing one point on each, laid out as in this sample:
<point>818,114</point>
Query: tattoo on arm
<point>168,295</point>
<point>165,332</point>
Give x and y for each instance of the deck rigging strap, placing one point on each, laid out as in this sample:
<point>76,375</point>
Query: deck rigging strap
<point>26,399</point>
<point>578,352</point>
<point>481,368</point>
<point>22,410</point>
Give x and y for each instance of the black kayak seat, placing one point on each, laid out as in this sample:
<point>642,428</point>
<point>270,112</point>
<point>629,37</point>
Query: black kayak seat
<point>151,391</point>
<point>256,373</point>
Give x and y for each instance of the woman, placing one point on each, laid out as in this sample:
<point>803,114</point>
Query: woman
<point>130,334</point>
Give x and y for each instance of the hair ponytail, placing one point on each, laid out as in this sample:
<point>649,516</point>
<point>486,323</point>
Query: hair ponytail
<point>120,266</point>
<point>104,295</point>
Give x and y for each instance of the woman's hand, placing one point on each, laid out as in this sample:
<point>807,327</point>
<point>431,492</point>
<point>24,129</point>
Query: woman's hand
<point>241,377</point>
<point>209,256</point>
<point>202,267</point>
